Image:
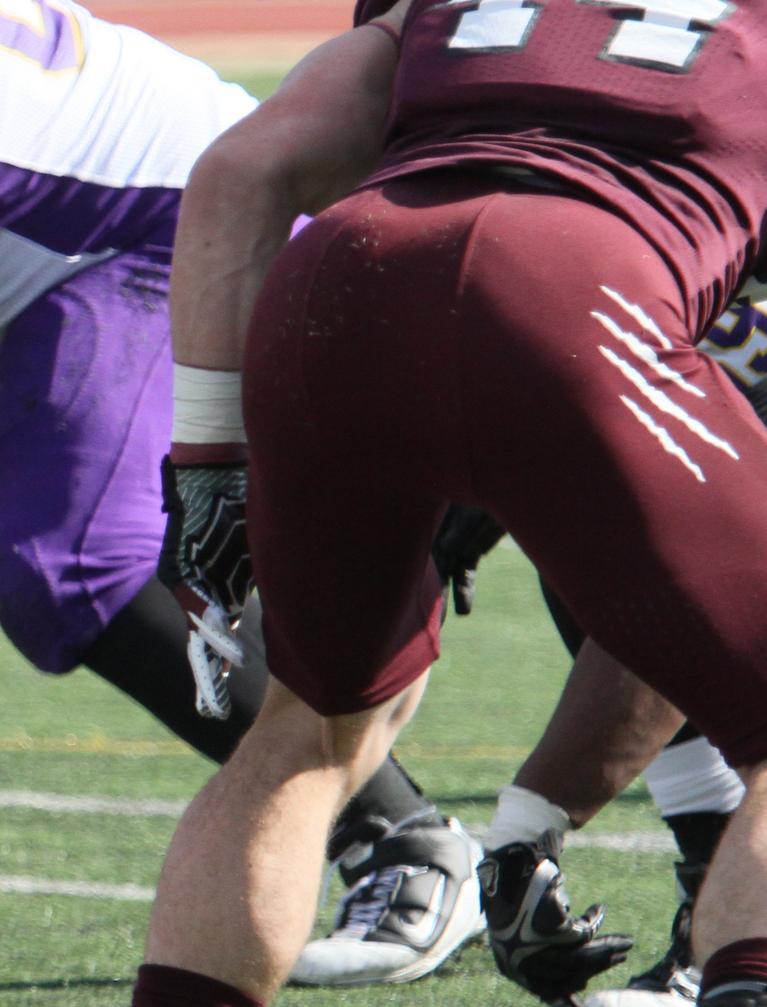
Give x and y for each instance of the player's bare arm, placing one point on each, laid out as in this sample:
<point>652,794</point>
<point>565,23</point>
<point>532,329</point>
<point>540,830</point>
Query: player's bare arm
<point>304,148</point>
<point>309,145</point>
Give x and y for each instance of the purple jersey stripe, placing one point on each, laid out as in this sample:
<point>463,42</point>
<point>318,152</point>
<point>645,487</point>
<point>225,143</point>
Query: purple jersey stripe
<point>70,216</point>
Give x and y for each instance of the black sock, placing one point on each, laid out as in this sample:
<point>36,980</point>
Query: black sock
<point>697,834</point>
<point>390,795</point>
<point>143,652</point>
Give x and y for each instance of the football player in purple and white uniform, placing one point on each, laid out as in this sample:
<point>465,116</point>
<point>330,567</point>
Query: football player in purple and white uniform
<point>99,127</point>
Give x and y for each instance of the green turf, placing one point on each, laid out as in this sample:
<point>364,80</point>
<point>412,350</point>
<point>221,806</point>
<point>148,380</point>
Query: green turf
<point>259,84</point>
<point>489,697</point>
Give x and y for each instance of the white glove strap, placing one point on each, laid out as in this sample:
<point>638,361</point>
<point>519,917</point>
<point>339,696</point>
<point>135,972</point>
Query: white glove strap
<point>207,406</point>
<point>521,816</point>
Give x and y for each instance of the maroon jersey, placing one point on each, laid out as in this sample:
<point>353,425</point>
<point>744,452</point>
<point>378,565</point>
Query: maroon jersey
<point>366,10</point>
<point>657,108</point>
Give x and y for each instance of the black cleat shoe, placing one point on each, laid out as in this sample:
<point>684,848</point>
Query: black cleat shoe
<point>674,980</point>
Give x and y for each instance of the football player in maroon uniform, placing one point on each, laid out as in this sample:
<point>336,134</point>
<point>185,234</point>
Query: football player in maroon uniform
<point>504,313</point>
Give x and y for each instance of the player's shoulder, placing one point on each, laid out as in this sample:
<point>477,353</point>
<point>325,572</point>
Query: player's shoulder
<point>102,102</point>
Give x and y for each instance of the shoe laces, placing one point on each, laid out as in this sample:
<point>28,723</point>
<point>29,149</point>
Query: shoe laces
<point>363,906</point>
<point>362,850</point>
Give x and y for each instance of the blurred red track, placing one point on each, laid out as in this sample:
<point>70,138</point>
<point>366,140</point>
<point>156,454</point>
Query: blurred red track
<point>176,18</point>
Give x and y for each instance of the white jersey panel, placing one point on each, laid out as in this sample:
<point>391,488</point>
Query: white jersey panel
<point>104,103</point>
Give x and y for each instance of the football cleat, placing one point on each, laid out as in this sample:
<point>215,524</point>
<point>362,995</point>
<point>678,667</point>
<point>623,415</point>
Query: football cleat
<point>673,980</point>
<point>535,940</point>
<point>414,900</point>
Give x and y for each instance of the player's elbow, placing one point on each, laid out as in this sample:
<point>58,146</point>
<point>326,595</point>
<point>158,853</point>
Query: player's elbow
<point>232,173</point>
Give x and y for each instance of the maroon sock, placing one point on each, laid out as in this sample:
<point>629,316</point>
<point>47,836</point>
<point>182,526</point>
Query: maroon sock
<point>742,962</point>
<point>165,986</point>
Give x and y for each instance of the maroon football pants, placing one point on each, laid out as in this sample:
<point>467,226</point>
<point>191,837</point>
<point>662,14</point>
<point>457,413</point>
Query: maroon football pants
<point>437,340</point>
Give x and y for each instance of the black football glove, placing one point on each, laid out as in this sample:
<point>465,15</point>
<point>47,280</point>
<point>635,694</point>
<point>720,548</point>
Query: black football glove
<point>205,562</point>
<point>465,535</point>
<point>535,940</point>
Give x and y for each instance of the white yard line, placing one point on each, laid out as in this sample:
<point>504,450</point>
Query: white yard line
<point>643,842</point>
<point>621,842</point>
<point>20,885</point>
<point>144,808</point>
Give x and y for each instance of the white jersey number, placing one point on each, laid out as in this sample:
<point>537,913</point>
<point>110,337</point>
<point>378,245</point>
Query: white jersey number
<point>667,36</point>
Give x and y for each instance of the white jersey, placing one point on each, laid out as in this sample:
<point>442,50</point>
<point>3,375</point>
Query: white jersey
<point>100,125</point>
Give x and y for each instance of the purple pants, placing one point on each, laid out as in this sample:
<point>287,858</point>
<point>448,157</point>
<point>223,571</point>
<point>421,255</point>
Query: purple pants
<point>85,385</point>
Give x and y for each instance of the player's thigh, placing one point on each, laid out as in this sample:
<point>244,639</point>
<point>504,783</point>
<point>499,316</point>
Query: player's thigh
<point>351,600</point>
<point>621,458</point>
<point>355,439</point>
<point>86,375</point>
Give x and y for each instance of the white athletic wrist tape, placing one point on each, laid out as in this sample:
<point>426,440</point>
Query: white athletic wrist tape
<point>521,816</point>
<point>692,777</point>
<point>207,406</point>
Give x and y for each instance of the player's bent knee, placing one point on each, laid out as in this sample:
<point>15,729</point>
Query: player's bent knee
<point>406,703</point>
<point>294,734</point>
<point>361,741</point>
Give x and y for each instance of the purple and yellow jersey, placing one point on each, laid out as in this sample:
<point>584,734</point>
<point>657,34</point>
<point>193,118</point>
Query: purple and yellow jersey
<point>99,127</point>
<point>738,341</point>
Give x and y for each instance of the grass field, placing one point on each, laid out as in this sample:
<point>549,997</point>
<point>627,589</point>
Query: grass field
<point>259,84</point>
<point>90,787</point>
<point>76,877</point>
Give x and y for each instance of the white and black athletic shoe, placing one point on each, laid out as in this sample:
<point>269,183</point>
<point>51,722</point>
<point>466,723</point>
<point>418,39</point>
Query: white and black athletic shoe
<point>414,899</point>
<point>673,981</point>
